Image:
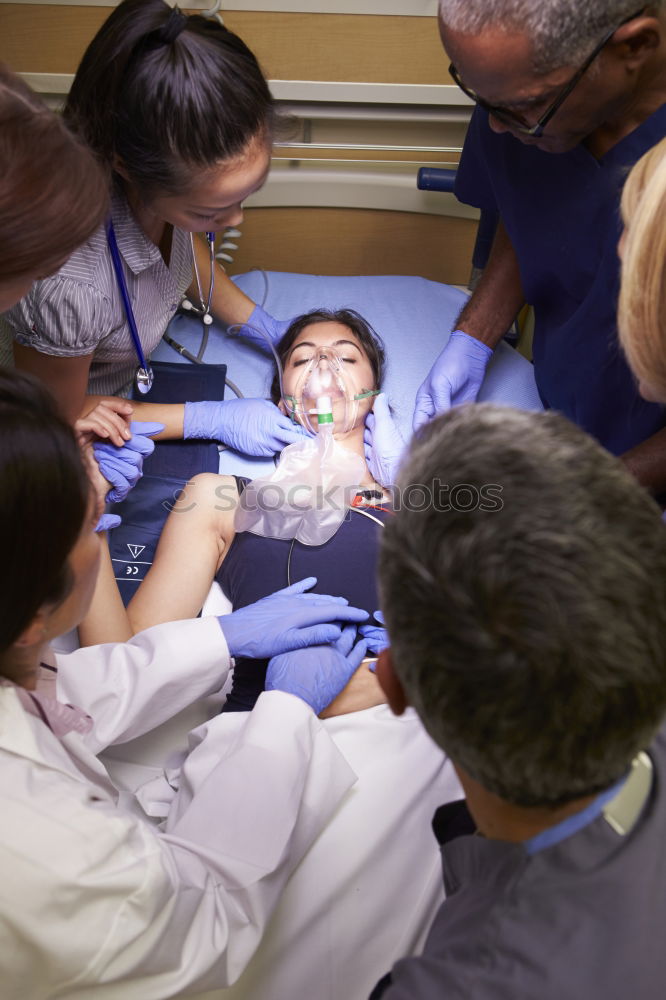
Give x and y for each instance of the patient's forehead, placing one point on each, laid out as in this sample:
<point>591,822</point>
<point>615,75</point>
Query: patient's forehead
<point>328,334</point>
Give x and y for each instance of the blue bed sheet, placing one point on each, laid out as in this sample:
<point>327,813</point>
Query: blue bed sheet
<point>413,316</point>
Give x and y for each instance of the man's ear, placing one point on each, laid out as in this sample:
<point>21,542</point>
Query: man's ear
<point>636,41</point>
<point>389,683</point>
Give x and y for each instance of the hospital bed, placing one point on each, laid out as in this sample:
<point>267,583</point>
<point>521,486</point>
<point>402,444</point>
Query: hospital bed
<point>361,875</point>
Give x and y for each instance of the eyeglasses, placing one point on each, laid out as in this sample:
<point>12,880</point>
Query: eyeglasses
<point>516,121</point>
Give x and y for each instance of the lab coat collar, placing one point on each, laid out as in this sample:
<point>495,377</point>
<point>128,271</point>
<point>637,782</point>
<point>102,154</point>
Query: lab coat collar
<point>138,252</point>
<point>25,736</point>
<point>42,702</point>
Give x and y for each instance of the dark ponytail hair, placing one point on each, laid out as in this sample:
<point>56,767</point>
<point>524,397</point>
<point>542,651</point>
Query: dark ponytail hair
<point>53,195</point>
<point>160,93</point>
<point>43,502</point>
<point>367,337</point>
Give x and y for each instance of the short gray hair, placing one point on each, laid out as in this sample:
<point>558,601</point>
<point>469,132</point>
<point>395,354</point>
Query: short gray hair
<point>563,32</point>
<point>530,638</point>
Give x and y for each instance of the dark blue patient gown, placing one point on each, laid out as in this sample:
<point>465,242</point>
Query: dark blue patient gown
<point>255,566</point>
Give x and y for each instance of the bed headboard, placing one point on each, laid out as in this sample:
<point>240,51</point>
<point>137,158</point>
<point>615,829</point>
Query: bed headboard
<point>366,85</point>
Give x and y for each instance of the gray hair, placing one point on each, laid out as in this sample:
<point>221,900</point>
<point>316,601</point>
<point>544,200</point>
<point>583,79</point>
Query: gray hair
<point>563,32</point>
<point>528,633</point>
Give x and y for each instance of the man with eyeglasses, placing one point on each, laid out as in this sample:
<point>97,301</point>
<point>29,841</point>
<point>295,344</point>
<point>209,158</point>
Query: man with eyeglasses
<point>569,95</point>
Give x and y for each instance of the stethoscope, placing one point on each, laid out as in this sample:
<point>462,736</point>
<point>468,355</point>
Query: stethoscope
<point>145,377</point>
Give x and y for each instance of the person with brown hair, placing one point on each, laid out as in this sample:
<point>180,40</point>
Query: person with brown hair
<point>53,193</point>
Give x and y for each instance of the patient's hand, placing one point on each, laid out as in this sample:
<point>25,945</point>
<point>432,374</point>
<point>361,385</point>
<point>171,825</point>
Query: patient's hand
<point>362,691</point>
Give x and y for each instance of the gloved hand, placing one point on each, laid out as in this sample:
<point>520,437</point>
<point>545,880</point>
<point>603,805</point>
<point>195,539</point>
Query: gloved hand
<point>383,442</point>
<point>317,675</point>
<point>376,636</point>
<point>251,426</point>
<point>274,329</point>
<point>288,619</point>
<point>107,521</point>
<point>122,467</point>
<point>455,377</point>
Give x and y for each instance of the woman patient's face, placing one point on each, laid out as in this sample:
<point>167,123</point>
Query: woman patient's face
<point>356,367</point>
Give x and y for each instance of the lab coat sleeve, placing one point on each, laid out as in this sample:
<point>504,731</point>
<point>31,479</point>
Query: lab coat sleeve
<point>129,688</point>
<point>107,907</point>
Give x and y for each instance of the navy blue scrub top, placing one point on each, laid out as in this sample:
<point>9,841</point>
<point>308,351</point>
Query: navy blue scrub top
<point>255,566</point>
<point>561,212</point>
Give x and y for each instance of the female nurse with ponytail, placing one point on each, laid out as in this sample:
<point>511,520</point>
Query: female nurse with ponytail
<point>95,901</point>
<point>180,118</point>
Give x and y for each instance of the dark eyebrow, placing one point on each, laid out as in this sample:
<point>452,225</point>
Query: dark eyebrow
<point>309,343</point>
<point>302,343</point>
<point>352,342</point>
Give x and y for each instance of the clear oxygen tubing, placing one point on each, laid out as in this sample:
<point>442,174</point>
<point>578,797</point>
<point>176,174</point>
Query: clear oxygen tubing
<point>237,328</point>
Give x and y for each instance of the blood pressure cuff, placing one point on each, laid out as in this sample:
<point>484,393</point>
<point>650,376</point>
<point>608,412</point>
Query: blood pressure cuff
<point>165,473</point>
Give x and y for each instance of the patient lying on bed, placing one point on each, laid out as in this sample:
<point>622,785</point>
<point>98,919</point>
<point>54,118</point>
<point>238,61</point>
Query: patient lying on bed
<point>367,890</point>
<point>198,543</point>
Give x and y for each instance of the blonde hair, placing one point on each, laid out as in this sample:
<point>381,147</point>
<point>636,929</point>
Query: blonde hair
<point>642,305</point>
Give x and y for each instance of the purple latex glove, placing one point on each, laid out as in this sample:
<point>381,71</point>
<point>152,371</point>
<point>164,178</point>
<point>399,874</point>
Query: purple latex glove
<point>289,619</point>
<point>375,636</point>
<point>455,377</point>
<point>317,675</point>
<point>384,444</point>
<point>262,329</point>
<point>251,426</point>
<point>122,467</point>
<point>107,522</point>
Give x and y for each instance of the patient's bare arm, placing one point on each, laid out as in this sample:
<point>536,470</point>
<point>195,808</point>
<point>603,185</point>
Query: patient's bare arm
<point>107,619</point>
<point>362,691</point>
<point>193,544</point>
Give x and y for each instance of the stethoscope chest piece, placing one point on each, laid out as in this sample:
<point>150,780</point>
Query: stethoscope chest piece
<point>144,380</point>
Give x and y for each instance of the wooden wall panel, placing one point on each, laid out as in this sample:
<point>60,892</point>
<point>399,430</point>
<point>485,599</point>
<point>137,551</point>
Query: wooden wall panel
<point>44,38</point>
<point>39,38</point>
<point>437,159</point>
<point>356,241</point>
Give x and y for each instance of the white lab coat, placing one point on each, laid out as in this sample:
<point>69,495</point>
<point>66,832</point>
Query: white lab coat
<point>370,886</point>
<point>96,903</point>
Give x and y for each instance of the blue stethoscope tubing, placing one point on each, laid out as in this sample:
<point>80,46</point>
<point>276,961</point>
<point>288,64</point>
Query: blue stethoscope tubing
<point>144,373</point>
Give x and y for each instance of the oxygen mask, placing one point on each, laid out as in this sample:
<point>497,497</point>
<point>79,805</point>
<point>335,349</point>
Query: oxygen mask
<point>308,494</point>
<point>324,395</point>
